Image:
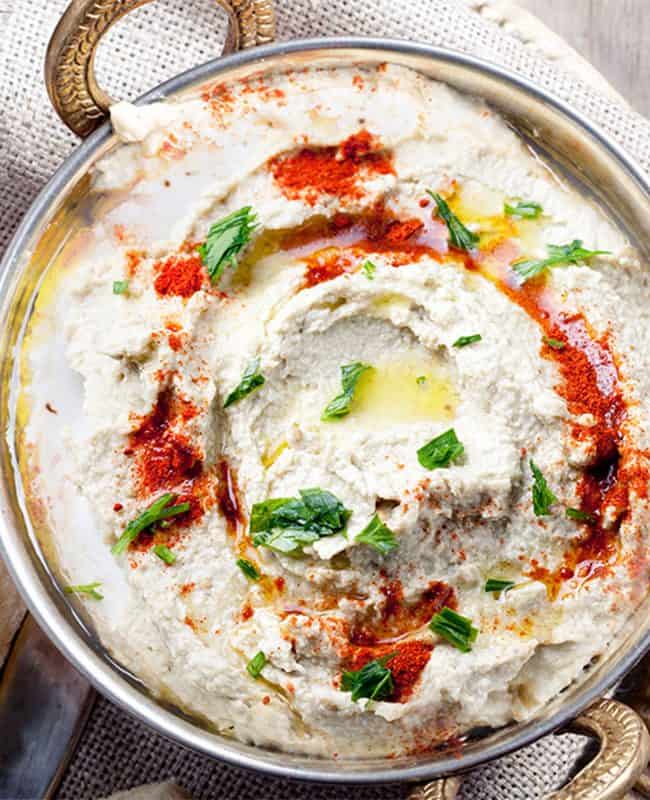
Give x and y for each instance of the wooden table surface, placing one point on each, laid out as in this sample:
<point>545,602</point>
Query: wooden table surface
<point>614,35</point>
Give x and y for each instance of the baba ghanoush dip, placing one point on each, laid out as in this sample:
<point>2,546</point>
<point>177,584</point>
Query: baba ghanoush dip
<point>336,406</point>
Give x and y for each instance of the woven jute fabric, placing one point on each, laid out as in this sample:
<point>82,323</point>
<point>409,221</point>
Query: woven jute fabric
<point>152,44</point>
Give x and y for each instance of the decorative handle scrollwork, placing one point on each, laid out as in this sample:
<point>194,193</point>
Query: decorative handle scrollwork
<point>69,66</point>
<point>623,756</point>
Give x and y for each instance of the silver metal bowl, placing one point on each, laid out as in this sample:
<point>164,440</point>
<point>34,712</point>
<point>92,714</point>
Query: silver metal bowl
<point>577,148</point>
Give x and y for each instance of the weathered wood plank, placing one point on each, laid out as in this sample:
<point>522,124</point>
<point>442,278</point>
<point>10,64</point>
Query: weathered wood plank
<point>613,34</point>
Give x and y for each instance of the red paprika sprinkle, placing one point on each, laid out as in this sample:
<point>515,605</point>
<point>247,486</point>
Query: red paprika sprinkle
<point>399,617</point>
<point>164,457</point>
<point>179,276</point>
<point>175,341</point>
<point>346,241</point>
<point>406,665</point>
<point>315,171</point>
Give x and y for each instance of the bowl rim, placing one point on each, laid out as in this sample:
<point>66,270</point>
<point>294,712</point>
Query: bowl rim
<point>68,639</point>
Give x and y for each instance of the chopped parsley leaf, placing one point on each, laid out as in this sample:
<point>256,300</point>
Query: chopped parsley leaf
<point>341,404</point>
<point>459,236</point>
<point>287,524</point>
<point>525,210</point>
<point>120,287</point>
<point>164,554</point>
<point>571,253</point>
<point>374,680</point>
<point>256,665</point>
<point>225,240</point>
<point>159,511</point>
<point>369,269</point>
<point>91,589</point>
<point>456,629</point>
<point>441,451</point>
<point>421,379</point>
<point>498,585</point>
<point>580,516</point>
<point>251,379</point>
<point>463,341</point>
<point>555,344</point>
<point>378,535</point>
<point>543,497</point>
<point>248,568</point>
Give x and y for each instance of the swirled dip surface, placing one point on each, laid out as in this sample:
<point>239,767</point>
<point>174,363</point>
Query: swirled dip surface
<point>540,372</point>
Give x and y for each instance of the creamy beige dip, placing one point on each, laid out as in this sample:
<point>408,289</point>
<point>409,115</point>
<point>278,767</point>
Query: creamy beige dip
<point>351,262</point>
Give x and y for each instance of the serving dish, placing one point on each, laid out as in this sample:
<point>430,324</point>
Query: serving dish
<point>578,149</point>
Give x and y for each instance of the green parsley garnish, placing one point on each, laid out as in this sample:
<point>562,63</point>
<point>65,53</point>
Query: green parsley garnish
<point>498,585</point>
<point>525,210</point>
<point>421,379</point>
<point>441,451</point>
<point>556,344</point>
<point>164,554</point>
<point>248,568</point>
<point>459,236</point>
<point>457,630</point>
<point>251,379</point>
<point>341,404</point>
<point>378,535</point>
<point>158,511</point>
<point>374,680</point>
<point>120,287</point>
<point>580,516</point>
<point>543,497</point>
<point>225,240</point>
<point>571,253</point>
<point>369,269</point>
<point>463,341</point>
<point>86,588</point>
<point>287,524</point>
<point>256,665</point>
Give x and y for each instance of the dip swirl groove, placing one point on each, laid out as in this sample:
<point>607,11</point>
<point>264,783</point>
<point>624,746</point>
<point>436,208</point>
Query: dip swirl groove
<point>384,234</point>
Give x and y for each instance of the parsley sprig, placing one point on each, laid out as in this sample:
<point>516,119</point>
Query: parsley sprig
<point>441,451</point>
<point>91,589</point>
<point>369,269</point>
<point>456,629</point>
<point>459,236</point>
<point>543,497</point>
<point>256,665</point>
<point>226,239</point>
<point>374,680</point>
<point>251,379</point>
<point>340,406</point>
<point>498,585</point>
<point>158,511</point>
<point>526,209</point>
<point>378,535</point>
<point>248,568</point>
<point>463,341</point>
<point>287,524</point>
<point>164,554</point>
<point>580,516</point>
<point>571,253</point>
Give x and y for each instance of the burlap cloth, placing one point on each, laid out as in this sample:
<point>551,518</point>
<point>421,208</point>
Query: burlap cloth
<point>157,41</point>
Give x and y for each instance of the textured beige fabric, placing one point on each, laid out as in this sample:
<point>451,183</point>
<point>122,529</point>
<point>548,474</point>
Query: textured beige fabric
<point>12,611</point>
<point>152,791</point>
<point>154,43</point>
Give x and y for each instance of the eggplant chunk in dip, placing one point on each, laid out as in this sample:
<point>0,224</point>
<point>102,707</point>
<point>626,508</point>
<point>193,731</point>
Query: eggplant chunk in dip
<point>363,443</point>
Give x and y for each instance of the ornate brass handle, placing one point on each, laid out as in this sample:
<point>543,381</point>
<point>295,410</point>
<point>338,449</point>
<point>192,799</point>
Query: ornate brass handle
<point>69,65</point>
<point>624,753</point>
